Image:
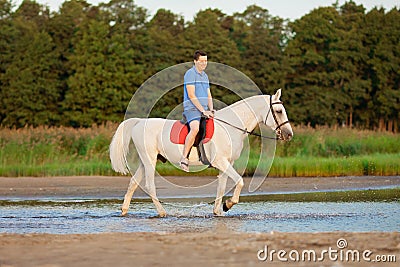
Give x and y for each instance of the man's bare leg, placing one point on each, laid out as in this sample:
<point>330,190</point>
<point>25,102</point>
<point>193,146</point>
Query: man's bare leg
<point>189,141</point>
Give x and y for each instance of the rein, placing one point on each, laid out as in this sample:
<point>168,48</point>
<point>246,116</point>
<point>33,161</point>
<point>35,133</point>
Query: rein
<point>265,122</point>
<point>245,130</point>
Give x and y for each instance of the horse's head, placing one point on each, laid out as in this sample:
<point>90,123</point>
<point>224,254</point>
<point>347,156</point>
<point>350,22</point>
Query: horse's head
<point>277,118</point>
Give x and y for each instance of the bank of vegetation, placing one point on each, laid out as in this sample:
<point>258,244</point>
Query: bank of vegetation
<point>59,151</point>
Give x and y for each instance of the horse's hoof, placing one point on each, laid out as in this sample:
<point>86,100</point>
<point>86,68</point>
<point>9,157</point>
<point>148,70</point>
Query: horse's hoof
<point>225,208</point>
<point>162,214</point>
<point>219,214</point>
<point>228,204</point>
<point>124,212</point>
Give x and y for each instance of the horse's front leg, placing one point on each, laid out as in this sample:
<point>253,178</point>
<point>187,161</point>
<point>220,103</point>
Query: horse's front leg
<point>222,179</point>
<point>235,198</point>
<point>228,170</point>
<point>133,184</point>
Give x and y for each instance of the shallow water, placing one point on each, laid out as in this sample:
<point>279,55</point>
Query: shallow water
<point>74,216</point>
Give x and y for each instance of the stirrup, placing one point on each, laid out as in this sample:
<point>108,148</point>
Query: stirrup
<point>184,164</point>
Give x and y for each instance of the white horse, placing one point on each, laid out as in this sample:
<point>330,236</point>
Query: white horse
<point>232,125</point>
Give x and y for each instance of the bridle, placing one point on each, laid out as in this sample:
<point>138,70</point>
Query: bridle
<point>278,128</point>
<point>271,110</point>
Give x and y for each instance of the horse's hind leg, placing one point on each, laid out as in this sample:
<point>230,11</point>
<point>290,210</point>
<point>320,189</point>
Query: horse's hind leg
<point>149,169</point>
<point>222,179</point>
<point>133,184</point>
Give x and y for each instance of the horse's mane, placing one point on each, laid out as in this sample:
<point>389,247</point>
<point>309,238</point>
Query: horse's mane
<point>240,102</point>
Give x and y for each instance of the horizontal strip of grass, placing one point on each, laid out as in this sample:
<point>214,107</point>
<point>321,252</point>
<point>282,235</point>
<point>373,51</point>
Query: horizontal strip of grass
<point>58,151</point>
<point>389,194</point>
<point>82,168</point>
<point>378,164</point>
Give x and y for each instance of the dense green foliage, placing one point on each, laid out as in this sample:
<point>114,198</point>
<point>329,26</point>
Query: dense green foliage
<point>57,151</point>
<point>80,65</point>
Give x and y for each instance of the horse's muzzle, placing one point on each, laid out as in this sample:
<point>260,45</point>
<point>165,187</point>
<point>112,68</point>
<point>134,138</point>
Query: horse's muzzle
<point>284,134</point>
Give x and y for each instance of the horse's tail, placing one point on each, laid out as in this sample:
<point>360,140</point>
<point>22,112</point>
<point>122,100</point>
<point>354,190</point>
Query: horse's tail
<point>119,146</point>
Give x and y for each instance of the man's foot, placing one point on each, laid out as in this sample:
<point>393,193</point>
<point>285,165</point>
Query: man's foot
<point>184,164</point>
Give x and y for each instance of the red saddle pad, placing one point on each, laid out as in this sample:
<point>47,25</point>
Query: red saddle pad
<point>179,132</point>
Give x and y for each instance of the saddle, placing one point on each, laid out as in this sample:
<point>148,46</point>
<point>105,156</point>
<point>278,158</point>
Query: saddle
<point>180,130</point>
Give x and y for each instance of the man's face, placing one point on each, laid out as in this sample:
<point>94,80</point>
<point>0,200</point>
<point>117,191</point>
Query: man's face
<point>201,63</point>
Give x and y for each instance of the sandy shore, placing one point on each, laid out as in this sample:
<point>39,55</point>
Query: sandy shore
<point>115,186</point>
<point>197,249</point>
<point>220,248</point>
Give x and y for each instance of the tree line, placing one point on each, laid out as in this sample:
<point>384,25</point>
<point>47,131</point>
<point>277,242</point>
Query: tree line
<point>80,65</point>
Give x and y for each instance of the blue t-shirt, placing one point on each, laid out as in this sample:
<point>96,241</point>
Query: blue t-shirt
<point>201,83</point>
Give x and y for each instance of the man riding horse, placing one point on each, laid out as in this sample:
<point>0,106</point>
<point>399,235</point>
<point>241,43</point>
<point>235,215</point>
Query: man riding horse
<point>197,102</point>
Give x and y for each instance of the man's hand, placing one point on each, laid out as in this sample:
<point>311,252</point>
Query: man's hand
<point>208,114</point>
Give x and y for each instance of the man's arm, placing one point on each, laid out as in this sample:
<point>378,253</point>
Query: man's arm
<point>210,100</point>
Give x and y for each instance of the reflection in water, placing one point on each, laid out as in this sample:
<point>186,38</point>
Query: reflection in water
<point>98,216</point>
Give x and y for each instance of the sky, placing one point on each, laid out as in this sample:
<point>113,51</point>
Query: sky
<point>287,9</point>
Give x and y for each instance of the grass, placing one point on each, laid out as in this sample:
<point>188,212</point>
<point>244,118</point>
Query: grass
<point>327,142</point>
<point>391,194</point>
<point>376,164</point>
<point>55,151</point>
<point>60,151</point>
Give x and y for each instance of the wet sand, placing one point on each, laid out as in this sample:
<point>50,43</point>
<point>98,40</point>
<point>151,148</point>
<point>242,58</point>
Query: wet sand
<point>116,186</point>
<point>221,247</point>
<point>194,249</point>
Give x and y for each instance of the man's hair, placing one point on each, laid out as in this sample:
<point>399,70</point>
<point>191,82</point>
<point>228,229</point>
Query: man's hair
<point>199,53</point>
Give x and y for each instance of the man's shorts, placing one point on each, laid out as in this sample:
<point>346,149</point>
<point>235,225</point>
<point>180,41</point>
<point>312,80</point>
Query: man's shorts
<point>191,115</point>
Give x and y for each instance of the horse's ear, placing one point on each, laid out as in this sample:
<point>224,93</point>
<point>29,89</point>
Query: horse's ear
<point>277,95</point>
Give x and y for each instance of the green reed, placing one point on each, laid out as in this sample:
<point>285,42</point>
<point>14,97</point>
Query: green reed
<point>376,164</point>
<point>59,151</point>
<point>327,142</point>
